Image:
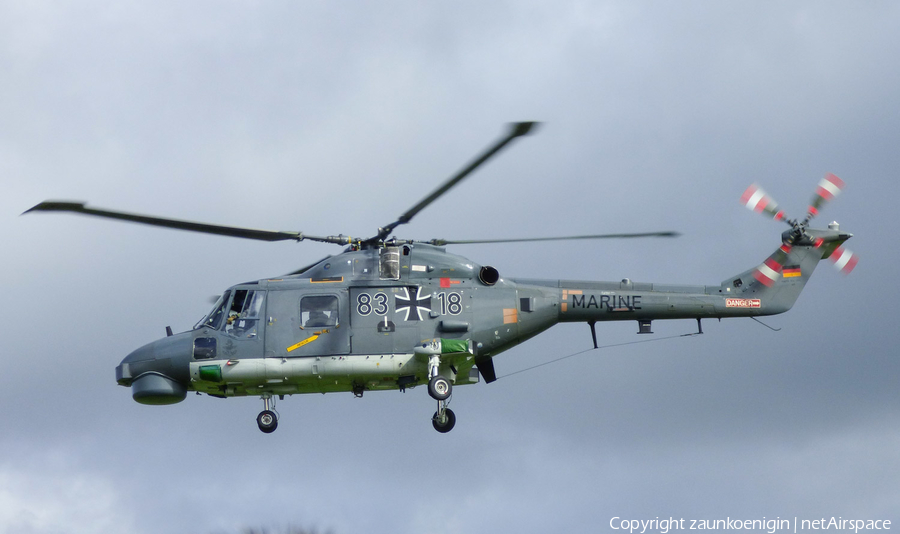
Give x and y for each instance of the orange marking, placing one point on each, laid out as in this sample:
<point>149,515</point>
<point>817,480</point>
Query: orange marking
<point>330,280</point>
<point>564,306</point>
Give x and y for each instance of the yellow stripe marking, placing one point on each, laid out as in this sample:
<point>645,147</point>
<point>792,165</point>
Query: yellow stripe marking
<point>306,341</point>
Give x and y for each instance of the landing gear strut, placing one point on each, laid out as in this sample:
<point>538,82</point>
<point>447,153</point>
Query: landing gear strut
<point>440,390</point>
<point>267,419</point>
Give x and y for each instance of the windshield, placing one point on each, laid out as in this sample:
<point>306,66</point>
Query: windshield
<point>214,317</point>
<point>243,314</point>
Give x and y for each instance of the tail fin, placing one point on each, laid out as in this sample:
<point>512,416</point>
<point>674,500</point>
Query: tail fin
<point>780,279</point>
<point>773,286</point>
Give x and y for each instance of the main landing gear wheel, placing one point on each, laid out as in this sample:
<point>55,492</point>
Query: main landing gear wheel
<point>445,424</point>
<point>267,421</point>
<point>439,388</point>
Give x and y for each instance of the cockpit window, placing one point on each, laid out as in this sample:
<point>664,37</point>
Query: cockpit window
<point>243,314</point>
<point>317,311</point>
<point>214,318</point>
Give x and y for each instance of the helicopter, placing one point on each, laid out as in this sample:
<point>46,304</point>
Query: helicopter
<point>391,314</point>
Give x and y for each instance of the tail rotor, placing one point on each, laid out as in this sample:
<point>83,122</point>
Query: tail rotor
<point>757,200</point>
<point>828,188</point>
<point>844,260</point>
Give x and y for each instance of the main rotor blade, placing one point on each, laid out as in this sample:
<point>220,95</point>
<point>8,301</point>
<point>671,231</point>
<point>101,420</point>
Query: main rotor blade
<point>231,231</point>
<point>442,242</point>
<point>517,129</point>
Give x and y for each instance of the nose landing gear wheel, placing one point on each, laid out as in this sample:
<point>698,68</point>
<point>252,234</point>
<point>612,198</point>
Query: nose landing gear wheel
<point>445,424</point>
<point>267,421</point>
<point>439,388</point>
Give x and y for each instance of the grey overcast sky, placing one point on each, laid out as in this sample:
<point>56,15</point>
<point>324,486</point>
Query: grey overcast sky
<point>335,117</point>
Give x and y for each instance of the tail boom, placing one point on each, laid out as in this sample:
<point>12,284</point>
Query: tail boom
<point>768,289</point>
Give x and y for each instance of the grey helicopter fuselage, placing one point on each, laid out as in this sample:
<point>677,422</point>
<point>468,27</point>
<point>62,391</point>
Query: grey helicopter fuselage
<point>392,314</point>
<point>370,319</point>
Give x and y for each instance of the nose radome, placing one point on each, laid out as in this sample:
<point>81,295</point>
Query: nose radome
<point>158,372</point>
<point>155,389</point>
<point>137,362</point>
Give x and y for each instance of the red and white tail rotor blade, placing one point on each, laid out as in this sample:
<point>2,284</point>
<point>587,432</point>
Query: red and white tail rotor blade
<point>759,201</point>
<point>844,260</point>
<point>770,270</point>
<point>828,188</point>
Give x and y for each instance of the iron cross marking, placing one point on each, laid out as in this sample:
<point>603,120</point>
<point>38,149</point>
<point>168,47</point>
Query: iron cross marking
<point>411,301</point>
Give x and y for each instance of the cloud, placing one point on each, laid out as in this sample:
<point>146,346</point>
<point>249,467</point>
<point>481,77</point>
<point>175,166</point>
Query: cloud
<point>329,119</point>
<point>47,495</point>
